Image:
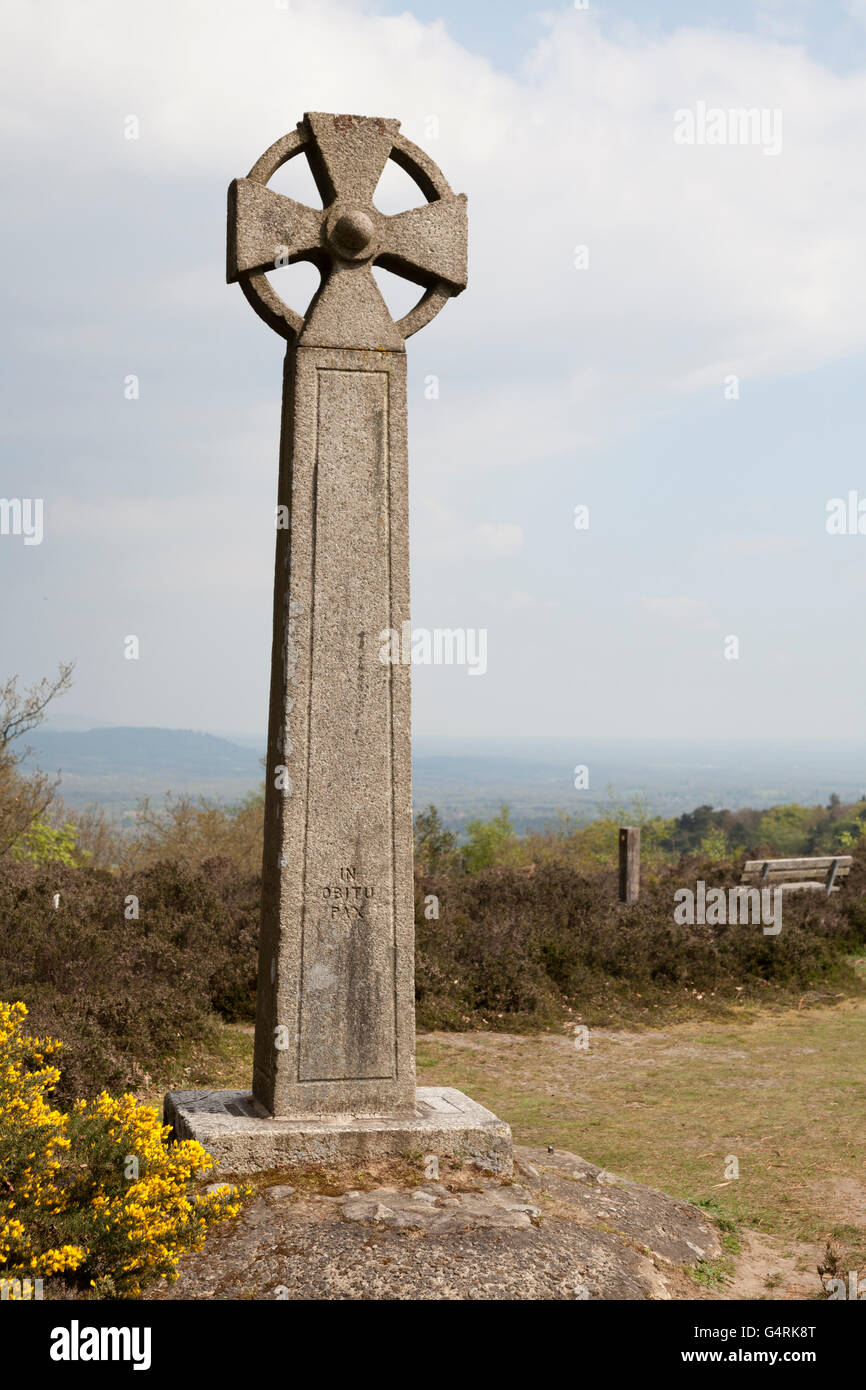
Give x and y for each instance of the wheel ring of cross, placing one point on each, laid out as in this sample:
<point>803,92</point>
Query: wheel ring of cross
<point>348,235</point>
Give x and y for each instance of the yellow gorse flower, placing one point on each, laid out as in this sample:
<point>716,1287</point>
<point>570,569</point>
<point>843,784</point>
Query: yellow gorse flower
<point>120,1223</point>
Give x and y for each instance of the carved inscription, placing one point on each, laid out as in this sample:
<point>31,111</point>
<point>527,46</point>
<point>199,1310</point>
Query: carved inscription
<point>347,899</point>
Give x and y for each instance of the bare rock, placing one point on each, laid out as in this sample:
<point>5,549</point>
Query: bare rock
<point>569,1230</point>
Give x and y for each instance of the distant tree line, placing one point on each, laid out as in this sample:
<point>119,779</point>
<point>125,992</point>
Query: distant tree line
<point>36,825</point>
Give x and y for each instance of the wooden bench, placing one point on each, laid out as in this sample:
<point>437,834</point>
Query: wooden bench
<point>821,874</point>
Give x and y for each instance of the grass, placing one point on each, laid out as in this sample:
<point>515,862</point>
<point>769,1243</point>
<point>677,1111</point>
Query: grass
<point>782,1091</point>
<point>223,1062</point>
<point>712,1274</point>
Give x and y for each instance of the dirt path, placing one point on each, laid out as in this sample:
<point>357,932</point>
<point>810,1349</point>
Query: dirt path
<point>762,1117</point>
<point>784,1094</point>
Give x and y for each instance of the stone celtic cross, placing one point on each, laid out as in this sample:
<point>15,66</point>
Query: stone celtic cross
<point>334,1065</point>
<point>347,155</point>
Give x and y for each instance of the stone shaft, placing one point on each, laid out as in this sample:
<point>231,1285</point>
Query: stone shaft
<point>335,1010</point>
<point>334,1074</point>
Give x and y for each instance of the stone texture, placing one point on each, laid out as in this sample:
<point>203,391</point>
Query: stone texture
<point>242,1139</point>
<point>334,1069</point>
<point>673,1229</point>
<point>349,235</point>
<point>336,969</point>
<point>559,1235</point>
<point>335,1026</point>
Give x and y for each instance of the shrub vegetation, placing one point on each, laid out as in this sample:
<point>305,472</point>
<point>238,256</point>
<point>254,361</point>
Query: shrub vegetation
<point>514,946</point>
<point>124,991</point>
<point>97,1199</point>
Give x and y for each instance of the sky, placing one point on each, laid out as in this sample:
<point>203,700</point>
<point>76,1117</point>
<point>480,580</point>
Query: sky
<point>666,331</point>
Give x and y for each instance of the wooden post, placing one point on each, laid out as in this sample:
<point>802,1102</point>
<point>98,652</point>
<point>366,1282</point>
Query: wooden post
<point>629,863</point>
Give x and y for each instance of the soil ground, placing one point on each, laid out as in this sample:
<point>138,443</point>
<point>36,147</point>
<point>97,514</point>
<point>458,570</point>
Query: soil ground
<point>781,1092</point>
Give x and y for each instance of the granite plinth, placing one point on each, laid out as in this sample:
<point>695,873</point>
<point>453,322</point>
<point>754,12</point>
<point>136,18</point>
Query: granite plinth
<point>243,1139</point>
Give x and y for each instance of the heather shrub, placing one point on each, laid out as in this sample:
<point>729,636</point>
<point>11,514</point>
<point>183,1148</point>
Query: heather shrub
<point>123,991</point>
<point>513,948</point>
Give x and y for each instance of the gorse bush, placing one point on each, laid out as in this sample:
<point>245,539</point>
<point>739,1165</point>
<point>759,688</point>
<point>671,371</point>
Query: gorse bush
<point>32,1140</point>
<point>97,1198</point>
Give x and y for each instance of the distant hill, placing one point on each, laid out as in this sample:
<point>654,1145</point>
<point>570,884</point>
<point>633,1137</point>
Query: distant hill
<point>116,766</point>
<point>467,777</point>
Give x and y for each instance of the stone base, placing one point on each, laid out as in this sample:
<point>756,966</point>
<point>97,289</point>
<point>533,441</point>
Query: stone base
<point>446,1123</point>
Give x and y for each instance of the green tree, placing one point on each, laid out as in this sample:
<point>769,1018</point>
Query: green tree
<point>714,844</point>
<point>190,830</point>
<point>24,800</point>
<point>42,843</point>
<point>786,828</point>
<point>435,845</point>
<point>655,831</point>
<point>691,829</point>
<point>488,842</point>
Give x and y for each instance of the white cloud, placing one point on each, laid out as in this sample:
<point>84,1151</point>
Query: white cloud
<point>769,543</point>
<point>499,538</point>
<point>213,544</point>
<point>446,535</point>
<point>677,608</point>
<point>703,261</point>
<point>510,600</point>
<point>500,426</point>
